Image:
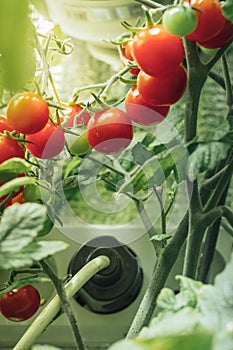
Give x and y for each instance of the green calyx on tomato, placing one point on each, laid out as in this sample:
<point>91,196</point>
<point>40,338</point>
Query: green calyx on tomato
<point>76,111</point>
<point>20,304</point>
<point>180,20</point>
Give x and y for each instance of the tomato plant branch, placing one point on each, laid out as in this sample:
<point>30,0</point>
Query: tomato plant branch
<point>211,182</point>
<point>58,284</point>
<point>218,79</point>
<point>163,216</point>
<point>103,87</point>
<point>195,235</point>
<point>218,55</point>
<point>229,89</point>
<point>148,225</point>
<point>45,64</point>
<point>51,310</point>
<point>151,4</point>
<point>197,75</point>
<point>209,245</point>
<point>47,76</point>
<point>162,269</point>
<point>223,182</point>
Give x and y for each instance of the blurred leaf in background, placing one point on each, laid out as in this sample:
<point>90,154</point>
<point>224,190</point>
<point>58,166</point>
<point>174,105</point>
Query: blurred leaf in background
<point>17,44</point>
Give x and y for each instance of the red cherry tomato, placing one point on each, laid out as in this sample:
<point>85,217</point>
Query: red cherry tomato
<point>127,52</point>
<point>20,304</point>
<point>162,90</point>
<point>156,51</point>
<point>141,112</point>
<point>27,112</point>
<point>221,38</point>
<point>72,111</point>
<point>210,19</point>
<point>4,124</point>
<point>18,198</point>
<point>9,149</point>
<point>47,143</point>
<point>110,131</point>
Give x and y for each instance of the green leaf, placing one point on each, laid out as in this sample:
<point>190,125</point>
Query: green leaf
<point>17,43</point>
<point>221,131</point>
<point>127,345</point>
<point>71,166</point>
<point>15,184</point>
<point>161,237</point>
<point>30,254</point>
<point>12,167</point>
<point>167,301</point>
<point>184,321</point>
<point>216,302</point>
<point>20,224</point>
<point>23,282</point>
<point>141,154</point>
<point>197,340</point>
<point>227,9</point>
<point>206,157</point>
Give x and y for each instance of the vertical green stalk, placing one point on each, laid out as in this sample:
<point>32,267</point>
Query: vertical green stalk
<point>197,75</point>
<point>65,304</point>
<point>162,269</point>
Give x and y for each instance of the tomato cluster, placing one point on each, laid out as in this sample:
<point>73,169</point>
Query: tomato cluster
<point>161,80</point>
<point>28,113</point>
<point>20,304</point>
<point>201,21</point>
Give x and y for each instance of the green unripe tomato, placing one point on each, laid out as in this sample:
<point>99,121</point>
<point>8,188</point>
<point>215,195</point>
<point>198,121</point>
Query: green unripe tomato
<point>31,193</point>
<point>180,20</point>
<point>80,146</point>
<point>208,52</point>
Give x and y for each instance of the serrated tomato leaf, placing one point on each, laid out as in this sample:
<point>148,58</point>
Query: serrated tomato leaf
<point>141,154</point>
<point>30,254</point>
<point>227,9</point>
<point>12,167</point>
<point>20,224</point>
<point>206,157</point>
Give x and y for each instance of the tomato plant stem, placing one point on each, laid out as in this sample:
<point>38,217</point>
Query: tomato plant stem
<point>58,284</point>
<point>151,4</point>
<point>209,245</point>
<point>195,235</point>
<point>148,225</point>
<point>162,269</point>
<point>197,75</point>
<point>51,310</point>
